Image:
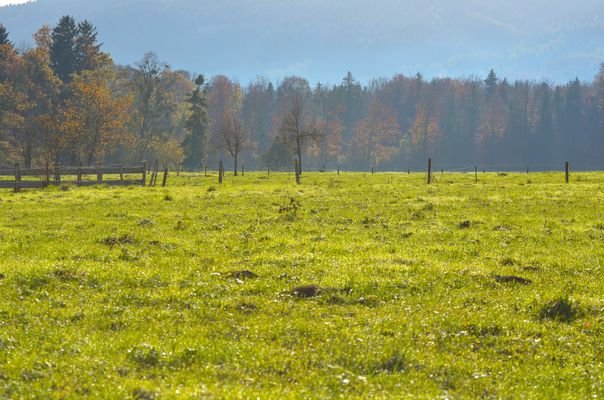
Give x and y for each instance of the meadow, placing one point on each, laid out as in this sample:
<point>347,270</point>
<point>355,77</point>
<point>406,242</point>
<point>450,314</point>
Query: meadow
<point>346,286</point>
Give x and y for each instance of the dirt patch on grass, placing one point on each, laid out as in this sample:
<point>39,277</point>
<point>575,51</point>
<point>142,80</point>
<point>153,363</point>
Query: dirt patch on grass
<point>244,274</point>
<point>518,280</point>
<point>561,309</point>
<point>112,241</point>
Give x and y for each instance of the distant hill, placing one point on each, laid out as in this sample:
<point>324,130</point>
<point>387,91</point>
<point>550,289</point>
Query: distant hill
<point>323,39</point>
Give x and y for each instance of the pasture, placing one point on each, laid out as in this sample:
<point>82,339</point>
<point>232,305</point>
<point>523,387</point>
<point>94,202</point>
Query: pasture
<point>350,286</point>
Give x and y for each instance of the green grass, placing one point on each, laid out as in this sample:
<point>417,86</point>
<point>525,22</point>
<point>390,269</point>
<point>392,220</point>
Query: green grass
<point>139,292</point>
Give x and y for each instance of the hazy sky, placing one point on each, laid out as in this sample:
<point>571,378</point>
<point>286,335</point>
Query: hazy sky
<point>323,39</point>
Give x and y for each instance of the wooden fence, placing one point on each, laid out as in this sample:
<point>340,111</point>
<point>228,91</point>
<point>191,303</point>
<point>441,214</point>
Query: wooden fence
<point>102,175</point>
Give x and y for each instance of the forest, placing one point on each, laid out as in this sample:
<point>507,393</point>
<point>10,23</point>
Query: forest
<point>66,102</point>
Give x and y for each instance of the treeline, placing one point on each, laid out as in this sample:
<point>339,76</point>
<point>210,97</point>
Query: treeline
<point>66,102</point>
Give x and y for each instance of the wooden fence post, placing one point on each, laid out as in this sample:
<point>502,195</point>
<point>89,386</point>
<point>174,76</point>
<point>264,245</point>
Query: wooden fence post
<point>242,169</point>
<point>47,174</point>
<point>144,180</point>
<point>566,171</point>
<point>57,174</point>
<point>121,174</point>
<point>165,181</point>
<point>99,174</point>
<point>205,170</point>
<point>220,177</point>
<point>475,174</point>
<point>79,175</point>
<point>17,178</point>
<point>429,171</point>
<point>338,170</point>
<point>154,173</point>
<point>297,166</point>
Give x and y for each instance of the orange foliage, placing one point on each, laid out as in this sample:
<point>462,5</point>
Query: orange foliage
<point>94,122</point>
<point>377,136</point>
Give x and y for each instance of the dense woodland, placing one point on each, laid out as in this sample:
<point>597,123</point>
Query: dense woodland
<point>66,102</point>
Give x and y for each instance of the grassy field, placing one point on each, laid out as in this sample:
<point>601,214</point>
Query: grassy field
<point>350,286</point>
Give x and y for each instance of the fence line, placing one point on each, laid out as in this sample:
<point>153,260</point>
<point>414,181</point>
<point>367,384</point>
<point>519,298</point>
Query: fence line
<point>53,176</point>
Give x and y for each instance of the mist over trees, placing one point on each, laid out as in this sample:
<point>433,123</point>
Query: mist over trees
<point>65,101</point>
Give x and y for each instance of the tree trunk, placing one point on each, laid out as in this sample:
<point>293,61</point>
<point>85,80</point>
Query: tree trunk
<point>299,153</point>
<point>235,160</point>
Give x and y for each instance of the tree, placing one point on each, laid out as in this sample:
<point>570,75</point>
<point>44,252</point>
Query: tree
<point>41,88</point>
<point>150,99</point>
<point>295,129</point>
<point>424,132</point>
<point>4,41</point>
<point>93,120</point>
<point>491,84</point>
<point>197,126</point>
<point>256,112</point>
<point>235,137</point>
<point>87,50</point>
<point>224,97</point>
<point>376,136</point>
<point>63,54</point>
<point>43,38</point>
<point>327,120</point>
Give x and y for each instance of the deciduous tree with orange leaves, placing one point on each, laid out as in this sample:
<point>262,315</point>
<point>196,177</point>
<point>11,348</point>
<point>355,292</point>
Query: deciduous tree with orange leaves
<point>94,121</point>
<point>424,132</point>
<point>377,136</point>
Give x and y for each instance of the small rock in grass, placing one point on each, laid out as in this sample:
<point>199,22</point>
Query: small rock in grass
<point>306,291</point>
<point>512,279</point>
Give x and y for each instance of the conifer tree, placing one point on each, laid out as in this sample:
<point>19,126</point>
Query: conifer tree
<point>197,126</point>
<point>4,36</point>
<point>87,50</point>
<point>63,48</point>
<point>491,84</point>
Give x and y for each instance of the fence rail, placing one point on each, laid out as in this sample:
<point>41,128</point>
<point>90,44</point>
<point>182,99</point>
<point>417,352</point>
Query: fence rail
<point>53,176</point>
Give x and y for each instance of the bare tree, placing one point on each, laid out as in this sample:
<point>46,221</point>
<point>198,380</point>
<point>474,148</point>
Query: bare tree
<point>235,137</point>
<point>296,128</point>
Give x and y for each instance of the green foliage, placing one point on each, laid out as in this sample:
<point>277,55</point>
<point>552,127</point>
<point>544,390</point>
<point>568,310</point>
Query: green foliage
<point>63,48</point>
<point>197,126</point>
<point>4,40</point>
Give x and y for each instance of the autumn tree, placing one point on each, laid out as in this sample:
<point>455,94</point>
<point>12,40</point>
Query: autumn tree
<point>149,98</point>
<point>224,97</point>
<point>94,120</point>
<point>327,119</point>
<point>197,126</point>
<point>41,88</point>
<point>377,135</point>
<point>296,129</point>
<point>424,132</point>
<point>235,137</point>
<point>43,38</point>
<point>257,107</point>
